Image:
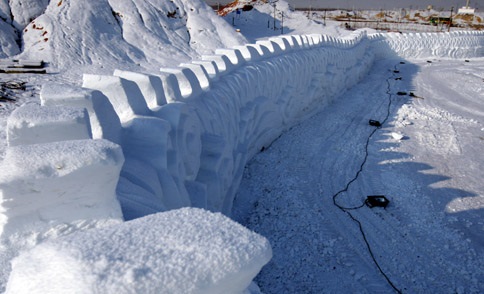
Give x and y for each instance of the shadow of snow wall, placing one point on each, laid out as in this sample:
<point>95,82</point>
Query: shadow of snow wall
<point>187,132</point>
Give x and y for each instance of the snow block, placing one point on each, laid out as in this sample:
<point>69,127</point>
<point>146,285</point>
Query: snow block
<point>171,87</point>
<point>283,43</point>
<point>60,182</point>
<point>273,47</point>
<point>124,95</point>
<point>146,138</point>
<point>201,73</point>
<point>104,121</point>
<point>188,81</point>
<point>151,87</point>
<point>292,41</point>
<point>262,51</point>
<point>234,55</point>
<point>34,124</point>
<point>188,250</point>
<point>249,53</point>
<point>316,39</point>
<point>224,65</point>
<point>210,67</point>
<point>305,41</point>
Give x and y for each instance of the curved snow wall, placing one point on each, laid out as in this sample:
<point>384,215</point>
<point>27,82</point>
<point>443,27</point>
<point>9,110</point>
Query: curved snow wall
<point>459,44</point>
<point>187,133</point>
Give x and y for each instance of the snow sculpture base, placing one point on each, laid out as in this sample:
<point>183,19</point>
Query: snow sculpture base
<point>189,250</point>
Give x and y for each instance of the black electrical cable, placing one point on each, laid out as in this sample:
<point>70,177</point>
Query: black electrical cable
<point>345,189</point>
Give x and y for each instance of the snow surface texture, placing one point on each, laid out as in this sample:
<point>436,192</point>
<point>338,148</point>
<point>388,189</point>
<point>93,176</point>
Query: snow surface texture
<point>139,33</point>
<point>430,237</point>
<point>189,250</point>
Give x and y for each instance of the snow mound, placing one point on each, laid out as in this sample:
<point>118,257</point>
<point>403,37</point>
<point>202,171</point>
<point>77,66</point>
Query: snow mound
<point>181,251</point>
<point>131,31</point>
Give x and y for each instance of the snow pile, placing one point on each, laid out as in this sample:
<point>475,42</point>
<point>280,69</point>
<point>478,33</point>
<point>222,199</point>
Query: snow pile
<point>181,251</point>
<point>130,32</point>
<point>14,16</point>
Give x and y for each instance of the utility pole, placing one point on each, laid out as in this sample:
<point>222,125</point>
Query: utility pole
<point>274,4</point>
<point>450,20</point>
<point>274,16</point>
<point>282,22</point>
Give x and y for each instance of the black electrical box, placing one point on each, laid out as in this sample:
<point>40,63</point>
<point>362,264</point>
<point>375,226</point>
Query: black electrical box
<point>376,200</point>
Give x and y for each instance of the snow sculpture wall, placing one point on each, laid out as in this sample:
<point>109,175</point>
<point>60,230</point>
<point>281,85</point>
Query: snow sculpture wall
<point>458,44</point>
<point>220,111</point>
<point>186,133</point>
<point>181,137</point>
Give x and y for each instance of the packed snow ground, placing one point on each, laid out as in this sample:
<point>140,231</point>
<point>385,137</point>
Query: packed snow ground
<point>430,236</point>
<point>410,218</point>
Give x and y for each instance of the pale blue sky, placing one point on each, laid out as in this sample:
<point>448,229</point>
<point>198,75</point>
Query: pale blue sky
<point>378,4</point>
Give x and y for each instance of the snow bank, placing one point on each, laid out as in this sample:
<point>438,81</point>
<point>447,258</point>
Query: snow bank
<point>181,251</point>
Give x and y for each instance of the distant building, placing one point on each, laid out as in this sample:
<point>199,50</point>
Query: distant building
<point>466,9</point>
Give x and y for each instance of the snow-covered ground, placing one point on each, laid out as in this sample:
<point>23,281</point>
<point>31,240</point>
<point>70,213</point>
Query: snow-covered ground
<point>429,238</point>
<point>186,134</point>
